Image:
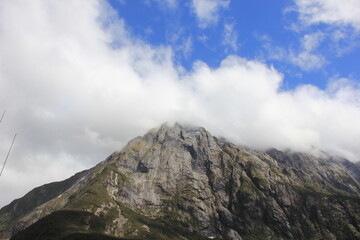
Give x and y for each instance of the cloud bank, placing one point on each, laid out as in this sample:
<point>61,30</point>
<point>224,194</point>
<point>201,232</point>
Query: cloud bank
<point>77,86</point>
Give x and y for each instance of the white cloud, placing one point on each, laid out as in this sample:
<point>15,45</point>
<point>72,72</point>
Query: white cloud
<point>241,100</point>
<point>341,18</point>
<point>207,11</point>
<point>230,37</point>
<point>344,12</point>
<point>306,60</point>
<point>75,91</point>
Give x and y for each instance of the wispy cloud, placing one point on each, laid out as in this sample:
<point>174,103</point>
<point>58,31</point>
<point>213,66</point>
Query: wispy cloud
<point>187,46</point>
<point>311,42</point>
<point>344,12</point>
<point>343,40</point>
<point>207,11</point>
<point>306,56</point>
<point>230,37</point>
<point>181,43</point>
<point>307,61</point>
<point>339,22</point>
<point>171,3</point>
<point>163,3</point>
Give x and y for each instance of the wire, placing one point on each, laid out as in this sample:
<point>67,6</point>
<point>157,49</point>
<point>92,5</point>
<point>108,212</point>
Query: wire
<point>2,116</point>
<point>7,156</point>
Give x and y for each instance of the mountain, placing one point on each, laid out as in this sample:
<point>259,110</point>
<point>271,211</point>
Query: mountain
<point>178,182</point>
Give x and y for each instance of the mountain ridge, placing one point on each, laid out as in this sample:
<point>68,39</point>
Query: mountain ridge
<point>183,178</point>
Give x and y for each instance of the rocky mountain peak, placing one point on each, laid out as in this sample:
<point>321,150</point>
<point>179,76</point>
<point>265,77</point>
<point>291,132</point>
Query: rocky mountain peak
<point>183,147</point>
<point>180,182</point>
<point>179,133</point>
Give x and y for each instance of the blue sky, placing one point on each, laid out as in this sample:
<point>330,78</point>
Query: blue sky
<point>268,31</point>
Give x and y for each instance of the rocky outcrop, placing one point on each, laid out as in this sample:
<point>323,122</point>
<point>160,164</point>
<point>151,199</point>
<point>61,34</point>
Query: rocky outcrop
<point>180,182</point>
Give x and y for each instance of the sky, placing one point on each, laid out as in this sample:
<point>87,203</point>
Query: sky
<point>79,79</point>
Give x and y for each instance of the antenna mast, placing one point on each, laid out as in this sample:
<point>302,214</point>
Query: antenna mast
<point>7,156</point>
<point>12,143</point>
<point>2,116</point>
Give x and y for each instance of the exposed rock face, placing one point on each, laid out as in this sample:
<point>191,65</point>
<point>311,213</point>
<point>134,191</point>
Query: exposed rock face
<point>182,183</point>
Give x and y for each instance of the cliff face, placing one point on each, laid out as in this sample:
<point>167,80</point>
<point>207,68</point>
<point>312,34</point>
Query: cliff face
<point>182,183</point>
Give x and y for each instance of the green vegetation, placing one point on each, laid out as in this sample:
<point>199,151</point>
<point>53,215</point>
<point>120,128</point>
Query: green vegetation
<point>78,225</point>
<point>95,195</point>
<point>59,225</point>
<point>161,228</point>
<point>89,236</point>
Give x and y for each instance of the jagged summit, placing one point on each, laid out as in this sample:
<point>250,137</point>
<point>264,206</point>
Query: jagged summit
<point>180,182</point>
<point>176,131</point>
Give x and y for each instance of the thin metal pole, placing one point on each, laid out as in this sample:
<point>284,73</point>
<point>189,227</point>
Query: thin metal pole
<point>7,156</point>
<point>2,116</point>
